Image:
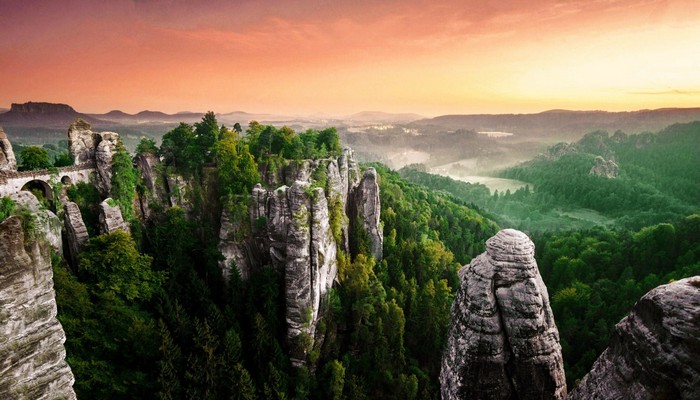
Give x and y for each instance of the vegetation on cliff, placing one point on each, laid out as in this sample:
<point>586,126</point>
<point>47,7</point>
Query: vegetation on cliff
<point>166,325</point>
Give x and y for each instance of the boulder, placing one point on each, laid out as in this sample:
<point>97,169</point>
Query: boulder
<point>654,352</point>
<point>110,217</point>
<point>502,342</point>
<point>32,352</point>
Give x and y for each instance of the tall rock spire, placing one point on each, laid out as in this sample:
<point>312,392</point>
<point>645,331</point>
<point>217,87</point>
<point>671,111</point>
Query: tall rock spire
<point>503,342</point>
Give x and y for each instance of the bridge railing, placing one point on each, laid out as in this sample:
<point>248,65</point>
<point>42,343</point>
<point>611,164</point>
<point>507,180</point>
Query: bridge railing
<point>5,175</point>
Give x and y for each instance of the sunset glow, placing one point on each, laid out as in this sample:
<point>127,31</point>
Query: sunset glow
<point>428,57</point>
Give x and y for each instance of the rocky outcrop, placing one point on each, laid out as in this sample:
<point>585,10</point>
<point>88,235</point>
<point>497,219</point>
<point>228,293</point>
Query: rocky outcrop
<point>178,191</point>
<point>32,355</point>
<point>46,221</point>
<point>8,162</point>
<point>82,141</point>
<point>75,231</point>
<point>503,343</point>
<point>368,209</point>
<point>111,217</point>
<point>106,147</point>
<point>299,228</point>
<point>152,182</point>
<point>559,150</point>
<point>604,168</point>
<point>654,352</point>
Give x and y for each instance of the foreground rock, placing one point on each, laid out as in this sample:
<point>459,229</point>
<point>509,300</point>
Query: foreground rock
<point>32,355</point>
<point>654,352</point>
<point>503,343</point>
<point>46,221</point>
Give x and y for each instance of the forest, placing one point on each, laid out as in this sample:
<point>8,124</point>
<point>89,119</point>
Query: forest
<point>649,235</point>
<point>149,315</point>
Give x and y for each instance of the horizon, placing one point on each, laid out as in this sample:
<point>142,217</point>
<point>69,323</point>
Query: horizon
<point>339,116</point>
<point>310,57</point>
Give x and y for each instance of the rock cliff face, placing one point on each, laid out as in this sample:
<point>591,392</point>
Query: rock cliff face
<point>105,149</point>
<point>503,342</point>
<point>8,162</point>
<point>367,206</point>
<point>32,356</point>
<point>654,352</point>
<point>152,181</point>
<point>75,231</point>
<point>82,141</point>
<point>604,168</point>
<point>46,221</point>
<point>299,228</point>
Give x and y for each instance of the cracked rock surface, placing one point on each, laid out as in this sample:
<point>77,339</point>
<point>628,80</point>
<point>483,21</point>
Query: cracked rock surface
<point>502,342</point>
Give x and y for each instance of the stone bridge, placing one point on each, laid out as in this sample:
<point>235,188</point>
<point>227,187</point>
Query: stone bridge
<point>14,181</point>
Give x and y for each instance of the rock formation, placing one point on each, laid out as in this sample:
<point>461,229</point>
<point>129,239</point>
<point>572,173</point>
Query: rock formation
<point>604,168</point>
<point>7,156</point>
<point>82,141</point>
<point>111,217</point>
<point>366,203</point>
<point>291,228</point>
<point>46,221</point>
<point>105,149</point>
<point>76,232</point>
<point>654,352</point>
<point>153,183</point>
<point>503,343</point>
<point>32,355</point>
<point>559,150</point>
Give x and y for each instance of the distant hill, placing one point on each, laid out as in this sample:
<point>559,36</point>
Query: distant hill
<point>44,115</point>
<point>565,123</point>
<point>243,117</point>
<point>147,116</point>
<point>379,116</point>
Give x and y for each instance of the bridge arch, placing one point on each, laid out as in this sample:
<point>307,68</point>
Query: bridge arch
<point>42,190</point>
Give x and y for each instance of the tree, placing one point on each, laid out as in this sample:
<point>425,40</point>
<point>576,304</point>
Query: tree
<point>237,169</point>
<point>113,264</point>
<point>34,157</point>
<point>206,134</point>
<point>174,146</point>
<point>124,179</point>
<point>147,145</point>
<point>330,138</point>
<point>63,159</point>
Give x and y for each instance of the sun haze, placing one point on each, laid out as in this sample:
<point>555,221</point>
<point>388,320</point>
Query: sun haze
<point>296,57</point>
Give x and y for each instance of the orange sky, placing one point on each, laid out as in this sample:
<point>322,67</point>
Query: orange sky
<point>296,57</point>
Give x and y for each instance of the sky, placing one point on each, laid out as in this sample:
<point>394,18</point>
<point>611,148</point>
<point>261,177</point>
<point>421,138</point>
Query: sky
<point>301,57</point>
